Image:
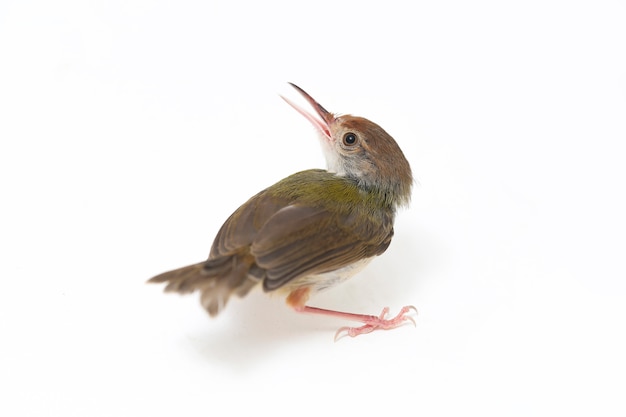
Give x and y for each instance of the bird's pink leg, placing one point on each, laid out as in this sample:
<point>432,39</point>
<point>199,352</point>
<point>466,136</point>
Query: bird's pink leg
<point>370,323</point>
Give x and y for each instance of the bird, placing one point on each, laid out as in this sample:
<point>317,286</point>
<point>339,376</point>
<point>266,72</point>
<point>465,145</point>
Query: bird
<point>311,230</point>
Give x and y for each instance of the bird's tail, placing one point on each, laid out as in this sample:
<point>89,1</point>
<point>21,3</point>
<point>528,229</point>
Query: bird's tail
<point>215,279</point>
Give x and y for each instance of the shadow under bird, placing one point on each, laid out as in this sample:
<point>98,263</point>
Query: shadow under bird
<point>313,229</point>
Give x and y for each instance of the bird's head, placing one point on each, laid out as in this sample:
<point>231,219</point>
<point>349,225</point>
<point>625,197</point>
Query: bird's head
<point>358,148</point>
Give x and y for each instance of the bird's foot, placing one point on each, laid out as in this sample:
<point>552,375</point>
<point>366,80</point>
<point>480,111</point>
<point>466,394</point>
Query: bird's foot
<point>372,323</point>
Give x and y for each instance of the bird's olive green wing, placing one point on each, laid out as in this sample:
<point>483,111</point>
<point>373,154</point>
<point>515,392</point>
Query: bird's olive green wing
<point>309,223</point>
<point>300,240</point>
<point>241,228</point>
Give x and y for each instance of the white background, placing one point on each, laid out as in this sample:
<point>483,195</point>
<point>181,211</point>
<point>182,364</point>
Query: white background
<point>131,129</point>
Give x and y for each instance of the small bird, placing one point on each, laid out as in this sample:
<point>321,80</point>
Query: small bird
<point>313,229</point>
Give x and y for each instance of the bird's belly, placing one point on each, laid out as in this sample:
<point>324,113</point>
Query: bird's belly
<point>320,282</point>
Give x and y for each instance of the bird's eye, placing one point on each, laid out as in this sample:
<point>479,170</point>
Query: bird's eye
<point>349,139</point>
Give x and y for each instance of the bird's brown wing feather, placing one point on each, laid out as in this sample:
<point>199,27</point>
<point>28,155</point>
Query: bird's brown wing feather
<point>300,240</point>
<point>242,227</point>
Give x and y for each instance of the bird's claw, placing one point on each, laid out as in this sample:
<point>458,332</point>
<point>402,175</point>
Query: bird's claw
<point>378,323</point>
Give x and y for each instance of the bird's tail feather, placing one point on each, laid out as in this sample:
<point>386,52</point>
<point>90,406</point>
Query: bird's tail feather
<point>215,279</point>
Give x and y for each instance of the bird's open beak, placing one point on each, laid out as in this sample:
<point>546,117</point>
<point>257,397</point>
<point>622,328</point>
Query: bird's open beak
<point>326,116</point>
